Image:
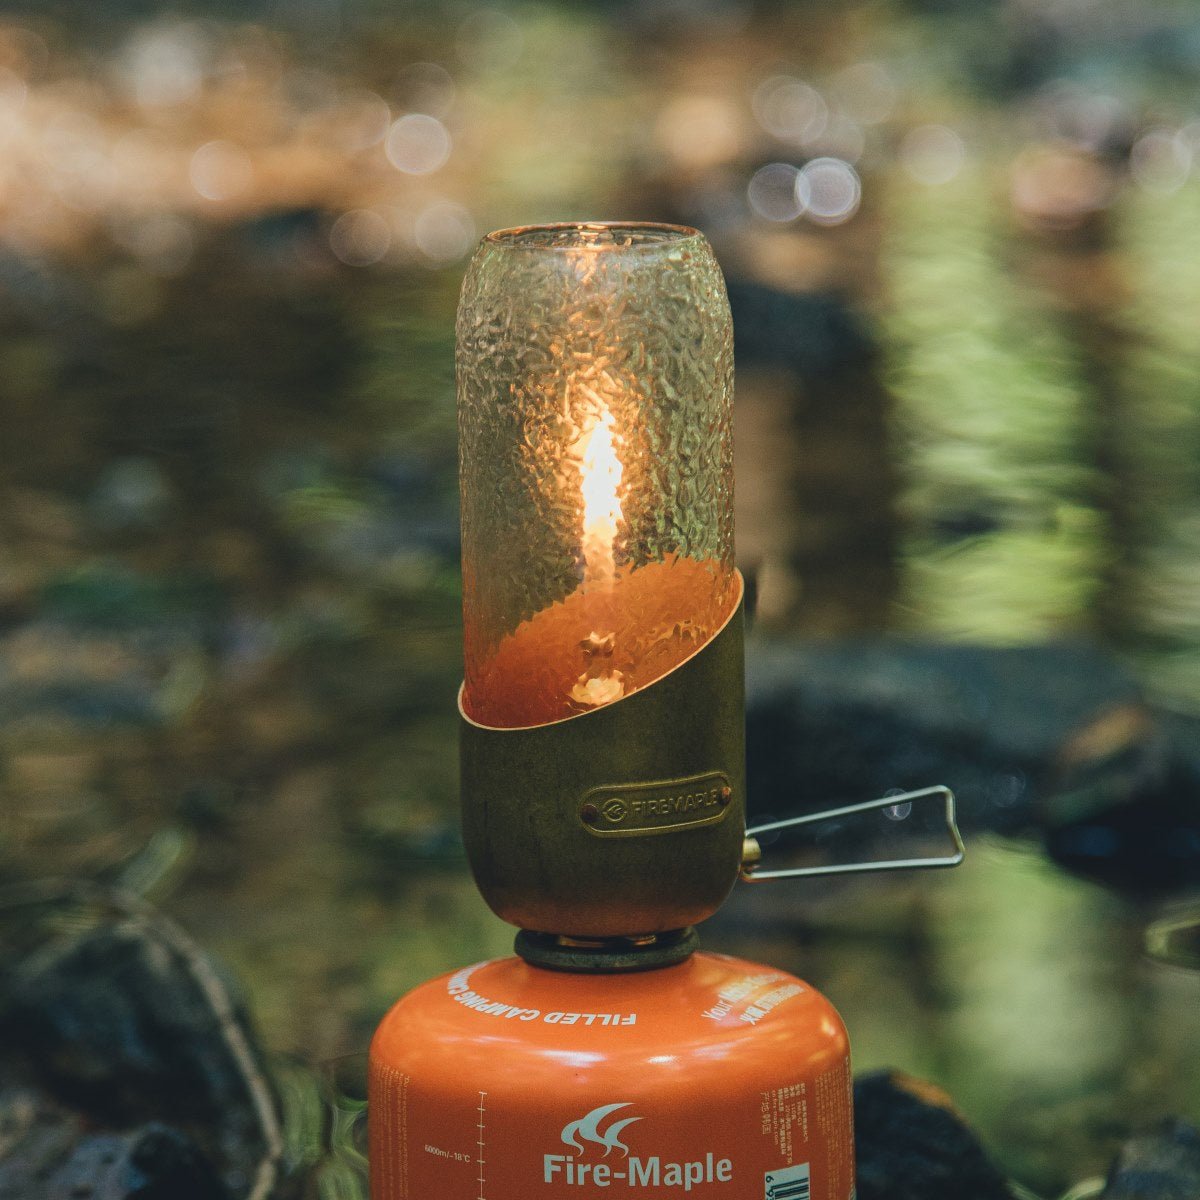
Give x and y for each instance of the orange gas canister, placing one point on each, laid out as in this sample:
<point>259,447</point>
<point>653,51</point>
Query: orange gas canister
<point>714,1079</point>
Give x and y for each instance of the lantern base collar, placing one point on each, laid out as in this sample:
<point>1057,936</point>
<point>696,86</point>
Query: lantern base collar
<point>606,956</point>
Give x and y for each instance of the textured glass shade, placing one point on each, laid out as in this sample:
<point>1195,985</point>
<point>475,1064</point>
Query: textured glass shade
<point>595,377</point>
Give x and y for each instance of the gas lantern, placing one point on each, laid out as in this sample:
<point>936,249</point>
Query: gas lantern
<point>603,775</point>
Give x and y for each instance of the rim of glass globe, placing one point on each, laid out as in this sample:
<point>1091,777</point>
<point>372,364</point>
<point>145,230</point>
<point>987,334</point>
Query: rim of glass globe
<point>600,236</point>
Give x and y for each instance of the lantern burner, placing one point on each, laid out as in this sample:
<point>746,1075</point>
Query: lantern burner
<point>607,956</point>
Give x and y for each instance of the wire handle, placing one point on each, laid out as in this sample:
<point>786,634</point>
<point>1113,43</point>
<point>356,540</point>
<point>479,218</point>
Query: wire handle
<point>752,852</point>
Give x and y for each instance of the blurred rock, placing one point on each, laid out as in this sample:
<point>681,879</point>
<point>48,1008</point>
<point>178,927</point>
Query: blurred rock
<point>150,1163</point>
<point>911,1145</point>
<point>49,1155</point>
<point>132,493</point>
<point>1053,739</point>
<point>284,238</point>
<point>839,721</point>
<point>812,334</point>
<point>1122,803</point>
<point>1158,1166</point>
<point>133,1028</point>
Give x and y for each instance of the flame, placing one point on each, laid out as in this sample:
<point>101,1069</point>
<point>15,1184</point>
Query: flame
<point>602,472</point>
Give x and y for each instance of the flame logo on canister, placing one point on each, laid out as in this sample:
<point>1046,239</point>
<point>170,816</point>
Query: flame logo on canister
<point>587,1129</point>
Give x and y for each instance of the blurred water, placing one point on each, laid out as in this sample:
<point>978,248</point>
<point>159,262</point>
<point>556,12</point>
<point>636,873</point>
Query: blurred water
<point>229,640</point>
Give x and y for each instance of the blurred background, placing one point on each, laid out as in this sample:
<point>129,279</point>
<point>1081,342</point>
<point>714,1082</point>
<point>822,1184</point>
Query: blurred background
<point>961,239</point>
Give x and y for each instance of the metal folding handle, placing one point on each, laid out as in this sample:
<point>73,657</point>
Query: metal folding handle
<point>752,854</point>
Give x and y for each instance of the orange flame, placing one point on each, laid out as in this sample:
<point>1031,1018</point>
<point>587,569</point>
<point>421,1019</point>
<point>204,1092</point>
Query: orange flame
<point>602,472</point>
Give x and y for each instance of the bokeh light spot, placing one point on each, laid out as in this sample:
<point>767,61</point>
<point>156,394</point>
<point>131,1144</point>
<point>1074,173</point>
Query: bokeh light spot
<point>829,191</point>
<point>773,193</point>
<point>790,109</point>
<point>221,170</point>
<point>418,144</point>
<point>360,238</point>
<point>164,65</point>
<point>933,154</point>
<point>444,232</point>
